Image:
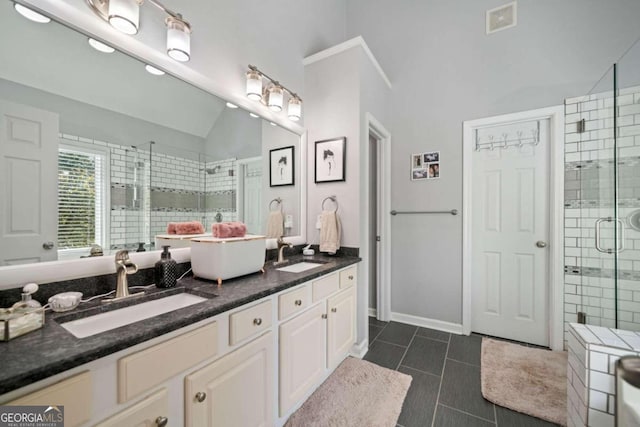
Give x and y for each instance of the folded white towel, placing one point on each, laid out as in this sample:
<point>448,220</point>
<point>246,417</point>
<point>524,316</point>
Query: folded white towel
<point>275,225</point>
<point>330,232</point>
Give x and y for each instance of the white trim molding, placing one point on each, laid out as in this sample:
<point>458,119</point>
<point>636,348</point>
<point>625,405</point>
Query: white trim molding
<point>424,322</point>
<point>360,349</point>
<point>342,47</point>
<point>555,301</point>
<point>373,126</point>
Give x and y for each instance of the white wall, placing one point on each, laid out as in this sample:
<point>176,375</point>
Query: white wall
<point>333,110</point>
<point>234,134</point>
<point>342,90</point>
<point>445,70</point>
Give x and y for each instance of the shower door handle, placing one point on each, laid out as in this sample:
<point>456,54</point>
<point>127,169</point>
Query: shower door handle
<point>619,247</point>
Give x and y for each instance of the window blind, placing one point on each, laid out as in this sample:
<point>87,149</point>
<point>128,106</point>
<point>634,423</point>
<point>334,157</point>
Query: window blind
<point>79,198</point>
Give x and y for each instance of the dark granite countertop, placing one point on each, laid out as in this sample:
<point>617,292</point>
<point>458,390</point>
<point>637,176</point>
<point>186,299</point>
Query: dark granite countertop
<point>52,349</point>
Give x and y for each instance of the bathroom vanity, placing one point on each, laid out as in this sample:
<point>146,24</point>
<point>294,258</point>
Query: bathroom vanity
<point>250,354</point>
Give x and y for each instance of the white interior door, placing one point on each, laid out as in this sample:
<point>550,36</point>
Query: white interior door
<point>28,184</point>
<point>510,231</point>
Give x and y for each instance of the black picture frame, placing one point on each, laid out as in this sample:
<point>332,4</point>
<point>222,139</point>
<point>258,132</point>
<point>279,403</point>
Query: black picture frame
<point>282,166</point>
<point>330,160</point>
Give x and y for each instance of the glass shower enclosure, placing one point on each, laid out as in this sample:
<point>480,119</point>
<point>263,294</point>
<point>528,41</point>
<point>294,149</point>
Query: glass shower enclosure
<point>602,200</point>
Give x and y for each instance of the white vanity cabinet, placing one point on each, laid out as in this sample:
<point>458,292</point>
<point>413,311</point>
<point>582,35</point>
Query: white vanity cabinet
<point>250,366</point>
<point>341,322</point>
<point>236,390</point>
<point>153,411</point>
<point>303,355</point>
<point>313,343</point>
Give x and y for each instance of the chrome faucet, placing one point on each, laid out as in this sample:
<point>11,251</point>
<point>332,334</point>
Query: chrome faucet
<point>124,267</point>
<point>281,245</point>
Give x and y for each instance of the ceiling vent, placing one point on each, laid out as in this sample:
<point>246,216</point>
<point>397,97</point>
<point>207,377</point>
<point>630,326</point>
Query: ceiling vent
<point>501,18</point>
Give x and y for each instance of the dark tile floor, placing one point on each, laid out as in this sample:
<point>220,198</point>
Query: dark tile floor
<point>445,391</point>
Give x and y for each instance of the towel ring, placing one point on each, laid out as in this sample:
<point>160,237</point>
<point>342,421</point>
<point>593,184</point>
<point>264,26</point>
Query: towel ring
<point>278,200</point>
<point>334,199</point>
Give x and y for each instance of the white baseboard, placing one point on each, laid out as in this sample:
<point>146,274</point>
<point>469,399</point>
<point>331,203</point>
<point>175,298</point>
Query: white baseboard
<point>360,349</point>
<point>373,312</point>
<point>424,322</point>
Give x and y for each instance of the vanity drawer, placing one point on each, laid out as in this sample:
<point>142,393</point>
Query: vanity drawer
<point>294,301</point>
<point>348,277</point>
<point>140,371</point>
<point>325,286</point>
<point>250,321</point>
<point>75,394</point>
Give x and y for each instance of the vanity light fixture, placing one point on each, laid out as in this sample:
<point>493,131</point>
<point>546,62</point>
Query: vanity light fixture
<point>100,47</point>
<point>124,15</point>
<point>232,106</point>
<point>274,94</point>
<point>153,70</point>
<point>30,14</point>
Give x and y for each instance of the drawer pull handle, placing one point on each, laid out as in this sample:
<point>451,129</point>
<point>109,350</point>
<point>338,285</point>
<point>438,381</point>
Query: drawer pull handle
<point>162,421</point>
<point>334,310</point>
<point>201,396</point>
<point>257,321</point>
<point>324,316</point>
<point>298,302</point>
<point>350,277</point>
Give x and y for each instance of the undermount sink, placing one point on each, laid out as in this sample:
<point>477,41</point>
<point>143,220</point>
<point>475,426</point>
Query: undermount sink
<point>92,325</point>
<point>299,267</point>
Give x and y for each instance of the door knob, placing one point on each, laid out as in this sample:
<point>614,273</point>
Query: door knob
<point>541,244</point>
<point>201,396</point>
<point>48,245</point>
<point>162,421</point>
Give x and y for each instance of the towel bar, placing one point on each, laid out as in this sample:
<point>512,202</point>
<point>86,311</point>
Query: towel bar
<point>451,212</point>
<point>334,199</point>
<point>278,200</point>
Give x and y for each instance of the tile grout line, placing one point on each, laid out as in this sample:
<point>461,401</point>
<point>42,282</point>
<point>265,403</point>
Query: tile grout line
<point>407,349</point>
<point>444,365</point>
<point>495,412</point>
<point>464,363</point>
<point>468,413</point>
<point>390,343</point>
<point>418,370</point>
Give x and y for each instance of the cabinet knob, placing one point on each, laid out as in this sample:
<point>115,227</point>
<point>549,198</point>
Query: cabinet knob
<point>48,245</point>
<point>334,310</point>
<point>324,316</point>
<point>201,396</point>
<point>257,321</point>
<point>162,421</point>
<point>298,302</point>
<point>350,277</point>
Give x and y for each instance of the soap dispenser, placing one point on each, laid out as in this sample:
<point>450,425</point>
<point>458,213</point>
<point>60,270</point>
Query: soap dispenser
<point>166,270</point>
<point>27,303</point>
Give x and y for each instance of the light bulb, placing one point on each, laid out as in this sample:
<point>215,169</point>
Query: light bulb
<point>100,47</point>
<point>276,96</point>
<point>178,39</point>
<point>124,15</point>
<point>295,109</point>
<point>254,85</point>
<point>31,15</point>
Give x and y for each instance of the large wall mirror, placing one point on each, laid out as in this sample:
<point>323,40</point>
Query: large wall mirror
<point>98,149</point>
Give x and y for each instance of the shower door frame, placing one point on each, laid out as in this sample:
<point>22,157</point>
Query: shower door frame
<point>555,115</point>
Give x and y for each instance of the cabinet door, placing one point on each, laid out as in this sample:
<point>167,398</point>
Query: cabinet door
<point>235,391</point>
<point>151,411</point>
<point>341,326</point>
<point>302,355</point>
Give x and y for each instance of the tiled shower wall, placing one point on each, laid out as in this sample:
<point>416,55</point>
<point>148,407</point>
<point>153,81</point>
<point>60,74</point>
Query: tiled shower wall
<point>589,275</point>
<point>180,190</point>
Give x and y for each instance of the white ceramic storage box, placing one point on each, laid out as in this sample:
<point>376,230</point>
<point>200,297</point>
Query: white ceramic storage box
<point>222,259</point>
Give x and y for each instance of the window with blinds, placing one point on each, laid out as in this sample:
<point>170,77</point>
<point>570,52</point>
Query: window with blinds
<point>80,198</point>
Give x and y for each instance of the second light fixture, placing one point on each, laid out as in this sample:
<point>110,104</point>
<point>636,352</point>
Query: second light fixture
<point>124,15</point>
<point>273,94</point>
